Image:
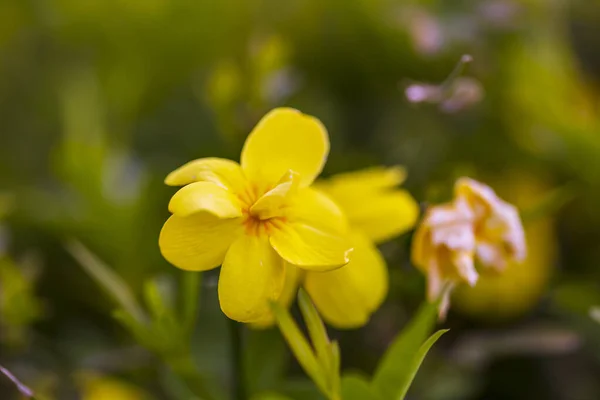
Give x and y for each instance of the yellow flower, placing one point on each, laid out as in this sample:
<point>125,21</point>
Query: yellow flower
<point>257,218</point>
<point>377,211</point>
<point>476,224</point>
<point>103,388</point>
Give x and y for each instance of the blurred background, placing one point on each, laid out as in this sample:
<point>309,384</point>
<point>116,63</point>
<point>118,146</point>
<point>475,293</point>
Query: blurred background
<point>100,99</point>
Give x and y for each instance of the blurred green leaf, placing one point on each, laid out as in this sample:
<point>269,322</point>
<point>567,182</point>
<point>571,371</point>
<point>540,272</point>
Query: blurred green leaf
<point>18,305</point>
<point>396,367</point>
<point>356,387</point>
<point>106,278</point>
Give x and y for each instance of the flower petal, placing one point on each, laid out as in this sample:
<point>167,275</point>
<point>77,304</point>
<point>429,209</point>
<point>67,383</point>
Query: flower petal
<point>272,203</point>
<point>373,178</point>
<point>382,215</point>
<point>198,242</point>
<point>285,139</point>
<point>317,209</point>
<point>252,275</point>
<point>205,196</point>
<point>347,296</point>
<point>371,202</point>
<point>314,235</point>
<point>293,277</point>
<point>310,248</point>
<point>222,172</point>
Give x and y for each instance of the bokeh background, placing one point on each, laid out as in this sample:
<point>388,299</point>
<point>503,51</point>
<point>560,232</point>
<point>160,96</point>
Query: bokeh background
<point>100,99</point>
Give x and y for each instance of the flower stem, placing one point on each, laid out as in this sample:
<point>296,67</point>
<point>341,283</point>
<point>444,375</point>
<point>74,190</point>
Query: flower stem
<point>237,365</point>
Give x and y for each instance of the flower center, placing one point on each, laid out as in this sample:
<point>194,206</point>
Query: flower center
<point>253,224</point>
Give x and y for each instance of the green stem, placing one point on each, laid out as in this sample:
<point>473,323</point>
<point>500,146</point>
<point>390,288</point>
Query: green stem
<point>237,365</point>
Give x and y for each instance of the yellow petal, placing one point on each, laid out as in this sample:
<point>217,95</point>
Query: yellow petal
<point>272,203</point>
<point>252,275</point>
<point>290,288</point>
<point>348,296</point>
<point>371,203</point>
<point>373,178</point>
<point>205,196</point>
<point>314,235</point>
<point>382,216</point>
<point>317,209</point>
<point>198,242</point>
<point>285,139</point>
<point>221,172</point>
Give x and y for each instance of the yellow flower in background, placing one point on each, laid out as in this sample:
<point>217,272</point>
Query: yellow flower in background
<point>257,217</point>
<point>104,388</point>
<point>477,224</point>
<point>377,211</point>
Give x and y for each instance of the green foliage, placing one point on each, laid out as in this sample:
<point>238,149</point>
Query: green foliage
<point>356,387</point>
<point>160,330</point>
<point>19,306</point>
<point>318,360</point>
<point>321,358</point>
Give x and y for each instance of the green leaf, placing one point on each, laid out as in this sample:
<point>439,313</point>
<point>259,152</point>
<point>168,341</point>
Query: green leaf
<point>106,278</point>
<point>317,332</point>
<point>416,361</point>
<point>356,387</point>
<point>300,347</point>
<point>396,365</point>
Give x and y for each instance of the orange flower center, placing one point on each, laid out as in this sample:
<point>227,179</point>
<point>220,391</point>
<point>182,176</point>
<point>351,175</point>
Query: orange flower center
<point>253,224</point>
